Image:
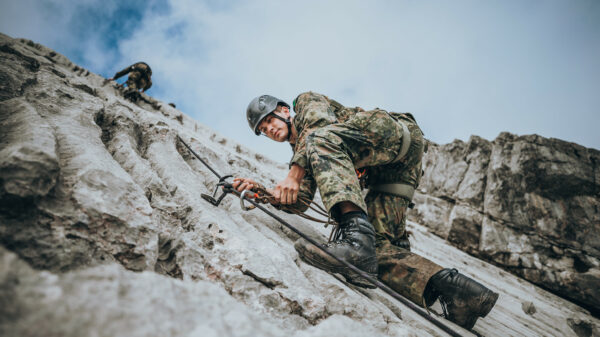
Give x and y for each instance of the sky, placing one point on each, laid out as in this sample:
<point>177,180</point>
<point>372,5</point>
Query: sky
<point>463,67</point>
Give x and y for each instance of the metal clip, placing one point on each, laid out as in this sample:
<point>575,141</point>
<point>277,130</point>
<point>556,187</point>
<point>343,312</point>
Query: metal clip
<point>212,199</point>
<point>242,197</point>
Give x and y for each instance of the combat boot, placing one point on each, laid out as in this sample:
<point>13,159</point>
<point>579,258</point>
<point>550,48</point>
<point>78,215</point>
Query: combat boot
<point>463,299</point>
<point>131,94</point>
<point>355,244</point>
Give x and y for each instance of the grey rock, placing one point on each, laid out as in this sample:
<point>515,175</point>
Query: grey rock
<point>583,328</point>
<point>526,203</point>
<point>528,308</point>
<point>111,301</point>
<point>28,159</point>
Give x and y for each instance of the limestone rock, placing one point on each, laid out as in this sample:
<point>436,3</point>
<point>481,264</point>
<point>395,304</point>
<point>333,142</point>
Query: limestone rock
<point>526,203</point>
<point>529,308</point>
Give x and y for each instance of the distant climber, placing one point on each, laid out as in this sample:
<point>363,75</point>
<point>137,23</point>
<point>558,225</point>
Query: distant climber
<point>140,75</point>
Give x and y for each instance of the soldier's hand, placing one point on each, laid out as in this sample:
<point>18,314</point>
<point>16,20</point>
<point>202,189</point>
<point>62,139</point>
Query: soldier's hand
<point>286,192</point>
<point>111,79</point>
<point>241,184</point>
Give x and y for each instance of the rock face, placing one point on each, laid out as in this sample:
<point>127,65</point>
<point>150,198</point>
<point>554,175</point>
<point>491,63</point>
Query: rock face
<point>528,204</point>
<point>103,231</point>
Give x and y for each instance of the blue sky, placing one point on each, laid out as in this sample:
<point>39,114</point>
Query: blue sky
<point>461,67</point>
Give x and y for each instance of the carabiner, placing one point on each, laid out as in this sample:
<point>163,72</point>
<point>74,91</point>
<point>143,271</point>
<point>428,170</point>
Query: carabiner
<point>242,197</point>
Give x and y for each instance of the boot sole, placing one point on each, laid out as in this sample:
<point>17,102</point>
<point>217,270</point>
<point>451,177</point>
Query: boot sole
<point>360,281</point>
<point>485,307</point>
<point>488,303</point>
<point>350,275</point>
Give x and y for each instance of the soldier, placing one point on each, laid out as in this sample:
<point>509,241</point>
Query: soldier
<point>139,78</point>
<point>331,143</point>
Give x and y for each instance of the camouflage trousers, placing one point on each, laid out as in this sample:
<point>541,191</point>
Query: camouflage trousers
<point>400,269</point>
<point>136,80</point>
<point>373,139</point>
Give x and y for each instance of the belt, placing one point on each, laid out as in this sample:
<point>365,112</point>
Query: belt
<point>401,190</point>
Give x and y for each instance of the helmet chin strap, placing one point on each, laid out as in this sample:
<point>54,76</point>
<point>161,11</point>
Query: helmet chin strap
<point>287,122</point>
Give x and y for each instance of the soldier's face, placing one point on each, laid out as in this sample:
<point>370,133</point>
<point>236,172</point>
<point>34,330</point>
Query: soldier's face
<point>275,128</point>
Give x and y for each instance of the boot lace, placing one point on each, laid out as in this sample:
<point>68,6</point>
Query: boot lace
<point>338,235</point>
<point>444,302</point>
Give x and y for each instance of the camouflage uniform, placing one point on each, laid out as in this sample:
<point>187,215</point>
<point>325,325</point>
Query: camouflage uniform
<point>139,76</point>
<point>333,141</point>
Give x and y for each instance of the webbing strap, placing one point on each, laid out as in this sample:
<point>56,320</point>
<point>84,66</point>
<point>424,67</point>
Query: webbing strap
<point>401,190</point>
<point>405,141</point>
<point>337,106</point>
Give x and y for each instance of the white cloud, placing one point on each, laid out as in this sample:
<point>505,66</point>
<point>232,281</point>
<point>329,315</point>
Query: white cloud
<point>67,26</point>
<point>462,68</point>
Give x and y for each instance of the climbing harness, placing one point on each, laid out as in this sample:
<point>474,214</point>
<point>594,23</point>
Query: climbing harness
<point>398,189</point>
<point>244,197</point>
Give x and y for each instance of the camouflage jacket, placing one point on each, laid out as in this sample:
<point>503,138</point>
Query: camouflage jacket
<point>142,67</point>
<point>314,111</point>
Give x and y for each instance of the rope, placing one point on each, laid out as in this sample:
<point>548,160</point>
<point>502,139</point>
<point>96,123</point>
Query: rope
<point>265,197</point>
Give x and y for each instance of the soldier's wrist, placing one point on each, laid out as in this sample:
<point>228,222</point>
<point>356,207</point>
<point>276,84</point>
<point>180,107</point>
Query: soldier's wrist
<point>297,172</point>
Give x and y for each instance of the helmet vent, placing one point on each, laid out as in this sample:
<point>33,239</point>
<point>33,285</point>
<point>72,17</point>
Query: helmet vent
<point>261,102</point>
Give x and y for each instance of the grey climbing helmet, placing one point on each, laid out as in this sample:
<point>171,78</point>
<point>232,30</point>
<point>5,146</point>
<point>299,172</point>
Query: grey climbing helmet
<point>259,108</point>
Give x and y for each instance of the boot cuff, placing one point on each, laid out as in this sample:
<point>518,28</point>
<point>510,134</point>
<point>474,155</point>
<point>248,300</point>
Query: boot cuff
<point>346,217</point>
<point>431,293</point>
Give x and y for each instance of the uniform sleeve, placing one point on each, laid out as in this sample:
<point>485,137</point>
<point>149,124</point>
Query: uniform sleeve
<point>313,111</point>
<point>148,84</point>
<point>123,72</point>
<point>308,187</point>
